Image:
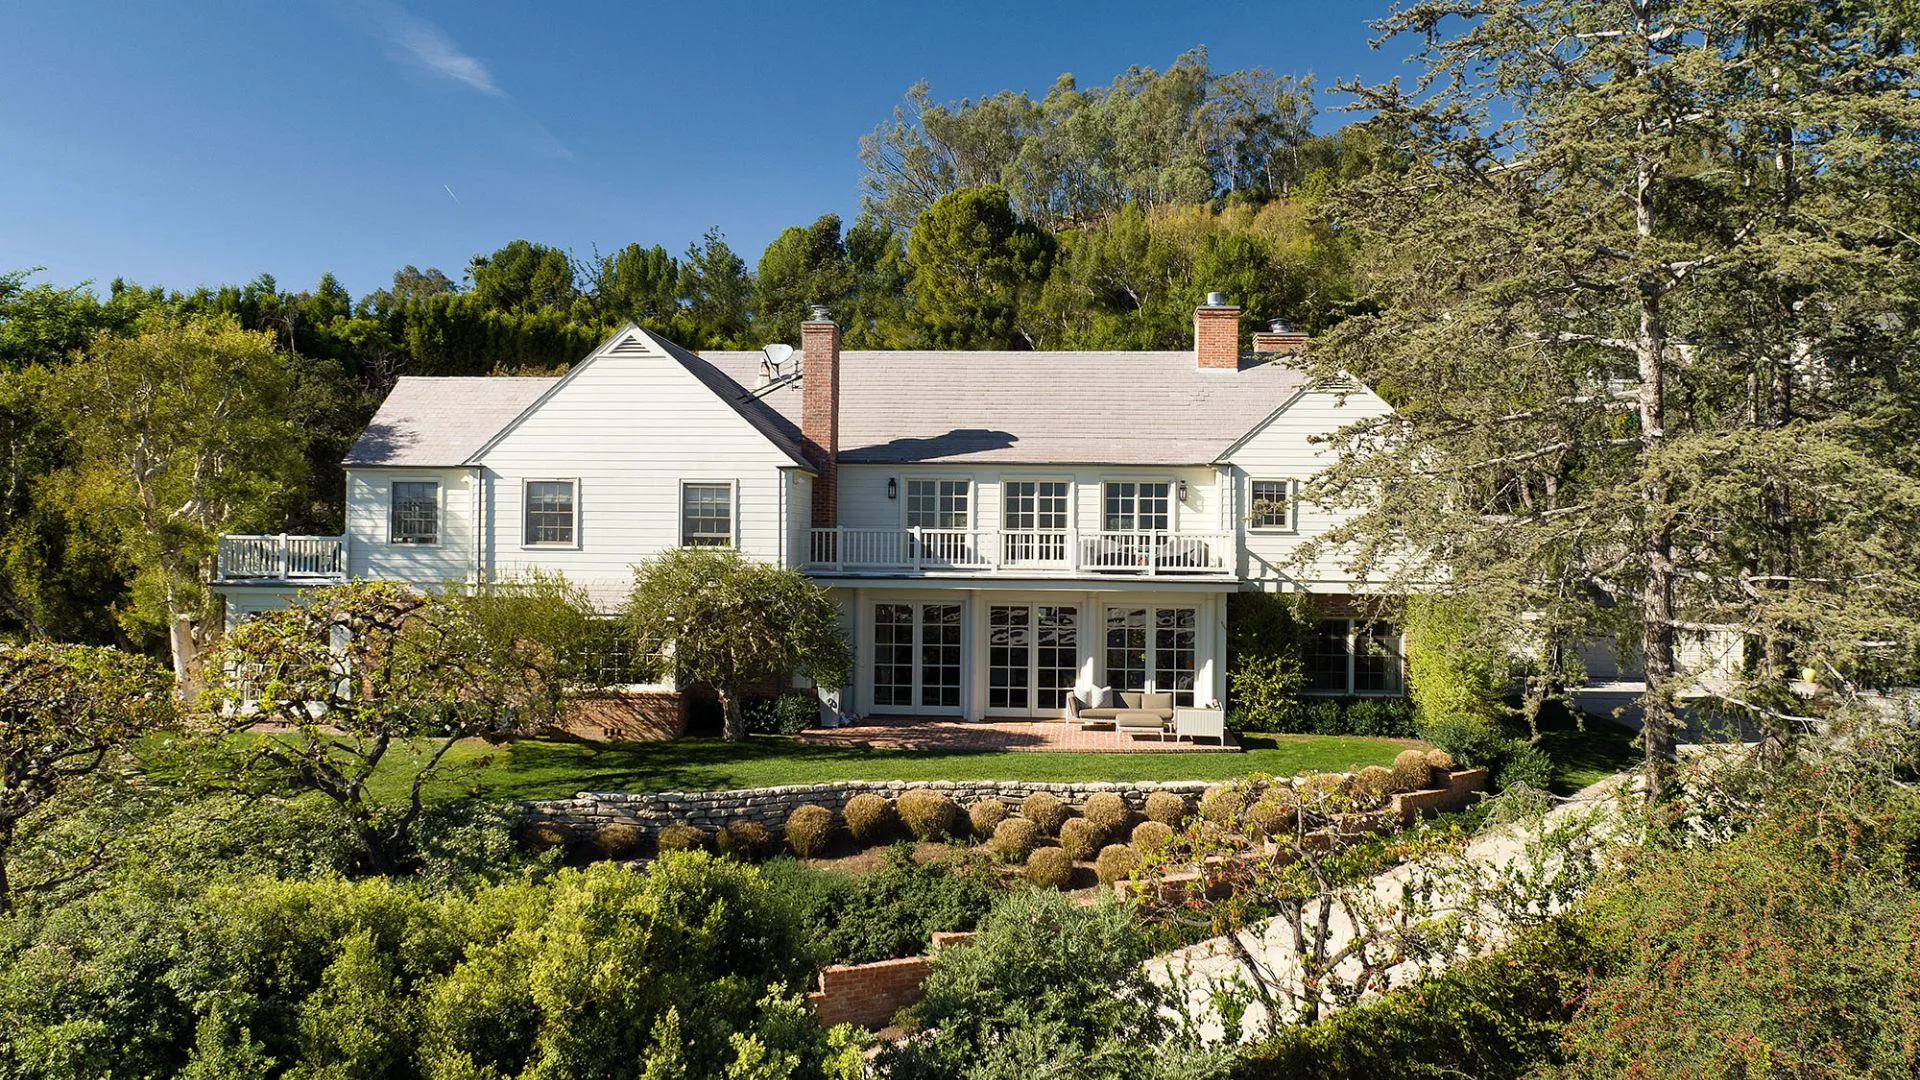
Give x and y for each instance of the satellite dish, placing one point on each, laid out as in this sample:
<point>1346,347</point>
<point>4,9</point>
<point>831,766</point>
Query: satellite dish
<point>777,354</point>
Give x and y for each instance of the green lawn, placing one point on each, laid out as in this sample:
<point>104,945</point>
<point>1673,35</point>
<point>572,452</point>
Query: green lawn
<point>542,769</point>
<point>1585,757</point>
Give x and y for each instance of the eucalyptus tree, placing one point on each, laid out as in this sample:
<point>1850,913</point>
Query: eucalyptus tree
<point>1646,298</point>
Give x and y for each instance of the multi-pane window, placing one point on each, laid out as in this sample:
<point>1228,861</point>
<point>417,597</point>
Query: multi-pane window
<point>1034,513</point>
<point>940,633</point>
<point>1057,664</point>
<point>938,504</point>
<point>1127,648</point>
<point>1009,655</point>
<point>1272,504</point>
<point>893,654</point>
<point>1174,651</point>
<point>1348,656</point>
<point>1376,659</point>
<point>1132,506</point>
<point>414,513</point>
<point>550,512</point>
<point>706,515</point>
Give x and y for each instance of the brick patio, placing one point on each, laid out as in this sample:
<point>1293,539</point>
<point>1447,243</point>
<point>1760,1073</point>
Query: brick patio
<point>1036,736</point>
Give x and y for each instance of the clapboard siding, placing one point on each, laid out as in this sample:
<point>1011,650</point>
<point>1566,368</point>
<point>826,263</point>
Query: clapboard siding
<point>631,425</point>
<point>1283,450</point>
<point>370,555</point>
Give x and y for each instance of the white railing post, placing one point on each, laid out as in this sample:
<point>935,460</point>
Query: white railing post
<point>913,542</point>
<point>839,540</point>
<point>285,548</point>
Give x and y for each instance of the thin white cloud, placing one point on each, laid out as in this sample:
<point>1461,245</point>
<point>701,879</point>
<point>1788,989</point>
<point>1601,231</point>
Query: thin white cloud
<point>420,43</point>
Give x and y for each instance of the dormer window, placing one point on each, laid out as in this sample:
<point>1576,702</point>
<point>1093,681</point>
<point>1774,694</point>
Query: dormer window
<point>413,512</point>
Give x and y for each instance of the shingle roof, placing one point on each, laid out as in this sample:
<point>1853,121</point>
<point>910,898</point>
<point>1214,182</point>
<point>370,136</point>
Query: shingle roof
<point>1105,408</point>
<point>1067,408</point>
<point>431,421</point>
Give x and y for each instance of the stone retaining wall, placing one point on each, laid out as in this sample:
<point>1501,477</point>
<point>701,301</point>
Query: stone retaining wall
<point>587,811</point>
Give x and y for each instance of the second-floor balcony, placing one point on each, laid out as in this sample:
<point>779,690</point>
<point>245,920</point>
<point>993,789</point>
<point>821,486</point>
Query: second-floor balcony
<point>295,559</point>
<point>1019,551</point>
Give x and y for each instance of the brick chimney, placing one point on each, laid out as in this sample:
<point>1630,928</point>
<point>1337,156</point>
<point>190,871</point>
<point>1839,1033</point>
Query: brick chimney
<point>820,411</point>
<point>1216,334</point>
<point>1281,337</point>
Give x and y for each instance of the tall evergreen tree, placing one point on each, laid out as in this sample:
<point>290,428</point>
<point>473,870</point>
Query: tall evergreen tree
<point>1647,301</point>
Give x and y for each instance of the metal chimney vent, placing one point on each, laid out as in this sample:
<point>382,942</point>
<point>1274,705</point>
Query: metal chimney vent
<point>1281,326</point>
<point>820,313</point>
<point>1216,299</point>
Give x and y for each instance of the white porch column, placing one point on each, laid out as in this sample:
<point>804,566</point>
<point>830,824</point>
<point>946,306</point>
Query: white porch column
<point>1092,636</point>
<point>1215,675</point>
<point>859,695</point>
<point>973,656</point>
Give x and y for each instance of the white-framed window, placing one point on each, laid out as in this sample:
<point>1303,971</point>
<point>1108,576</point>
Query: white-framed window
<point>1035,515</point>
<point>1270,504</point>
<point>413,512</point>
<point>1352,656</point>
<point>706,514</point>
<point>1137,506</point>
<point>552,516</point>
<point>1153,648</point>
<point>939,504</point>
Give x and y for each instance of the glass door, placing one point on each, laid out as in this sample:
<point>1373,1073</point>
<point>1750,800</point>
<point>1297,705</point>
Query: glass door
<point>916,658</point>
<point>1033,519</point>
<point>1153,648</point>
<point>1033,658</point>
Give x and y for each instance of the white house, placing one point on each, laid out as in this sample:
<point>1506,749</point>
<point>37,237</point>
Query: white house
<point>998,526</point>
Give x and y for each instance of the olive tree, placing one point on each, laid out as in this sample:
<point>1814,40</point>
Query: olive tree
<point>64,711</point>
<point>371,677</point>
<point>734,624</point>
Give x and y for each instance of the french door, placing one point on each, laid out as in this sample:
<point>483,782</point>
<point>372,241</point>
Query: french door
<point>1033,658</point>
<point>916,658</point>
<point>1033,518</point>
<point>1153,648</point>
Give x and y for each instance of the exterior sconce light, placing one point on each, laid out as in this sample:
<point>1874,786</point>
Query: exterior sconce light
<point>893,488</point>
<point>1183,491</point>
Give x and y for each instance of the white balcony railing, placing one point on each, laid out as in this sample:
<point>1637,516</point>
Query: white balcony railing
<point>1068,551</point>
<point>281,558</point>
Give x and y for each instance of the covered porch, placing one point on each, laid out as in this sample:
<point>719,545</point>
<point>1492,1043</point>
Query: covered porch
<point>1014,650</point>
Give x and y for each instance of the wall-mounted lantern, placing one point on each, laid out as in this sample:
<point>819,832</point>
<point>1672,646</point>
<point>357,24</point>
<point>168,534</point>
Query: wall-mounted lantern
<point>1183,491</point>
<point>893,488</point>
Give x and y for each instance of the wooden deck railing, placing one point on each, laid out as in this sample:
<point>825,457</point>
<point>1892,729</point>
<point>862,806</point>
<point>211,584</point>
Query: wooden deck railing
<point>1067,551</point>
<point>281,558</point>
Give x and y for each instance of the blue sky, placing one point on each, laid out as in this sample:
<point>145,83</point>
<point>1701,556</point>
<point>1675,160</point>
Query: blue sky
<point>198,144</point>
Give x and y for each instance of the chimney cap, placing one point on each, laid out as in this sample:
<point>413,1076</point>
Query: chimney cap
<point>1217,299</point>
<point>821,314</point>
<point>1280,326</point>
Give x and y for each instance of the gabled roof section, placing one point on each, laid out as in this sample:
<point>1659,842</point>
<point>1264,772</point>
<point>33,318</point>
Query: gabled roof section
<point>723,387</point>
<point>439,422</point>
<point>1036,408</point>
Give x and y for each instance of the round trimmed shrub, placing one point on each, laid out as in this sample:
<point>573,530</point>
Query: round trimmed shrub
<point>1049,868</point>
<point>1045,810</point>
<point>681,838</point>
<point>1014,838</point>
<point>1411,771</point>
<point>871,819</point>
<point>984,815</point>
<point>808,830</point>
<point>1274,814</point>
<point>928,814</point>
<point>1222,804</point>
<point>1167,808</point>
<point>544,836</point>
<point>1321,788</point>
<point>1080,838</point>
<point>1439,760</point>
<point>748,841</point>
<point>1116,863</point>
<point>618,839</point>
<point>1152,837</point>
<point>1107,810</point>
<point>1373,784</point>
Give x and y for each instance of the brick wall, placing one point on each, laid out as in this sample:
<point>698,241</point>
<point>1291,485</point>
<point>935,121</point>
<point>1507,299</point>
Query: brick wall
<point>1216,337</point>
<point>1277,341</point>
<point>869,994</point>
<point>651,717</point>
<point>820,415</point>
